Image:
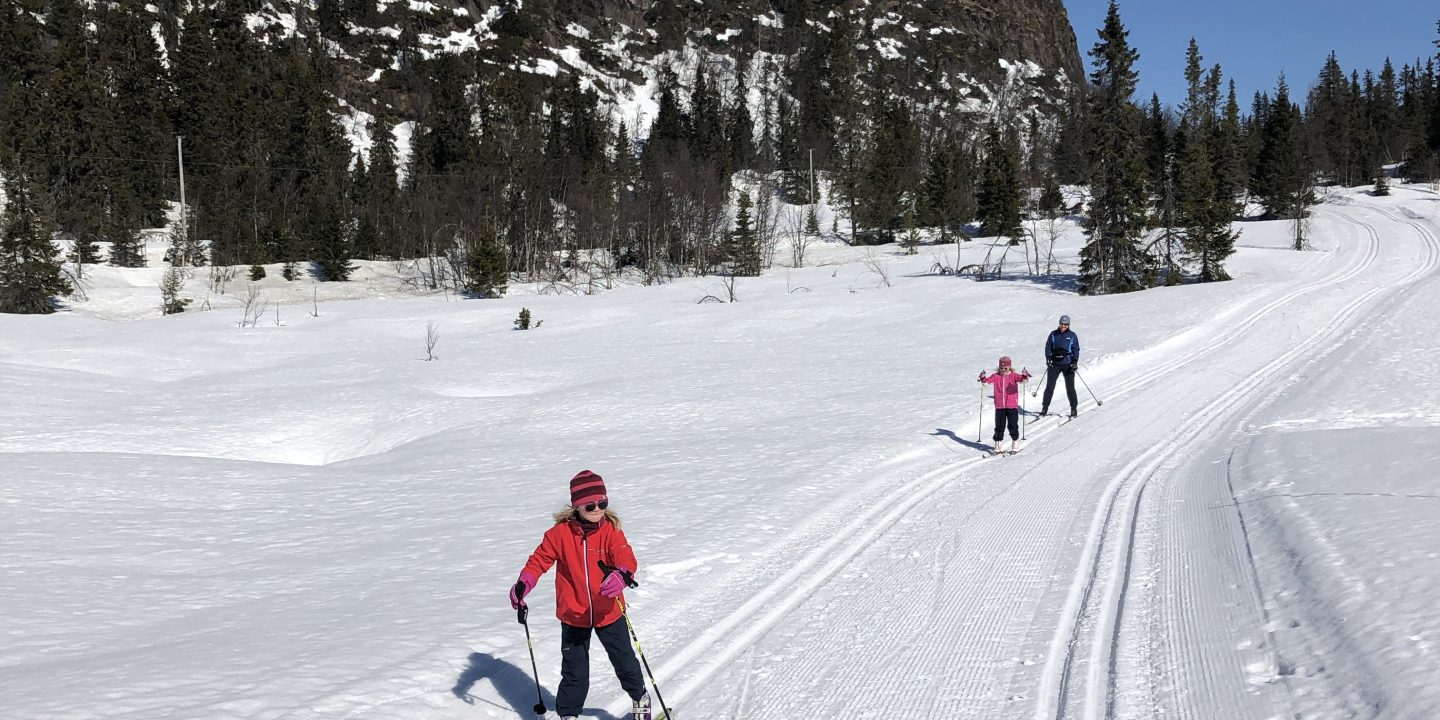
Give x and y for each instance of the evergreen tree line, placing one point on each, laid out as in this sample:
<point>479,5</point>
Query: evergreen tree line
<point>1167,184</point>
<point>521,173</point>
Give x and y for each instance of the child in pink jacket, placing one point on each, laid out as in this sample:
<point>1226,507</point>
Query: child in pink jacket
<point>1007,401</point>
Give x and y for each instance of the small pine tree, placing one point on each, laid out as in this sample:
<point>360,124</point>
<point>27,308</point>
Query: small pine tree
<point>911,239</point>
<point>812,221</point>
<point>523,322</point>
<point>1052,201</point>
<point>257,272</point>
<point>744,253</point>
<point>170,286</point>
<point>29,261</point>
<point>1382,185</point>
<point>486,270</point>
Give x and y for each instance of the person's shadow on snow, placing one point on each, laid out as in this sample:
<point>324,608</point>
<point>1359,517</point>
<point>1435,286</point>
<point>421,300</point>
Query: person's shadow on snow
<point>514,685</point>
<point>942,432</point>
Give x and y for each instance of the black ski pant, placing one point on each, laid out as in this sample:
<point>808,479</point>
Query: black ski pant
<point>575,664</point>
<point>1005,417</point>
<point>1050,374</point>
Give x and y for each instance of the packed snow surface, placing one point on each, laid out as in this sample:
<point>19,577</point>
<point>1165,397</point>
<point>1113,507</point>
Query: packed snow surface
<point>307,519</point>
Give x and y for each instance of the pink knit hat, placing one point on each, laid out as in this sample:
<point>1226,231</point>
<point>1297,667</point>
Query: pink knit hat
<point>586,487</point>
<point>1004,361</point>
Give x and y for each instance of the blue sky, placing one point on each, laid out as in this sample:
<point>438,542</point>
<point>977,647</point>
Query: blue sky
<point>1253,40</point>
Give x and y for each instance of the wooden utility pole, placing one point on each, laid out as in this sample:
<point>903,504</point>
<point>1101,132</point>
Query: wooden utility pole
<point>183,257</point>
<point>812,176</point>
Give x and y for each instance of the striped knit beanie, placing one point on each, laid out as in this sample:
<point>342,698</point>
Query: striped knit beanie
<point>586,487</point>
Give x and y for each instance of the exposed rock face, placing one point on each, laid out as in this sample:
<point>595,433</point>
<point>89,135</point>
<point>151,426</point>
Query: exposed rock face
<point>932,50</point>
<point>969,56</point>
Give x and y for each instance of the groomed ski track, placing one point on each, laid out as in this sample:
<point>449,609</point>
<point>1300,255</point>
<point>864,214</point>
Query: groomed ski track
<point>1103,573</point>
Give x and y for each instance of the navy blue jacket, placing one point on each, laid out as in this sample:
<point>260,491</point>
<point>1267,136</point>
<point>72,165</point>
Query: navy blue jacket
<point>1062,349</point>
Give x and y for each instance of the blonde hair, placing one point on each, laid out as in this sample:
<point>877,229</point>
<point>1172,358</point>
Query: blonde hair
<point>565,514</point>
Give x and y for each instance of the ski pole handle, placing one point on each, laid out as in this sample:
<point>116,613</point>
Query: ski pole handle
<point>522,613</point>
<point>627,576</point>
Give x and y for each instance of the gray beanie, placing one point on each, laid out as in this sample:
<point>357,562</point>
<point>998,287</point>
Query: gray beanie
<point>1064,319</point>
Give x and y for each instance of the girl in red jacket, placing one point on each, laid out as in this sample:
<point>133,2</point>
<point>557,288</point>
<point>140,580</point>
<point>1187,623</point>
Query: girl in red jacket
<point>1007,401</point>
<point>585,534</point>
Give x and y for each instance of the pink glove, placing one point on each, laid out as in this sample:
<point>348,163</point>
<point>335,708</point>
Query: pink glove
<point>522,587</point>
<point>613,585</point>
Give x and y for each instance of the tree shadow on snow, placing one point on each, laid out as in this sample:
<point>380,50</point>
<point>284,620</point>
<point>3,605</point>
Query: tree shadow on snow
<point>514,684</point>
<point>942,432</point>
<point>1059,282</point>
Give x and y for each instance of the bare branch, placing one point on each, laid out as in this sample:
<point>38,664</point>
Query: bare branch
<point>432,337</point>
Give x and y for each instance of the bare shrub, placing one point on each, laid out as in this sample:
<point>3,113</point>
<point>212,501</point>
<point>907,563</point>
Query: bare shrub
<point>875,264</point>
<point>432,338</point>
<point>220,277</point>
<point>792,226</point>
<point>252,305</point>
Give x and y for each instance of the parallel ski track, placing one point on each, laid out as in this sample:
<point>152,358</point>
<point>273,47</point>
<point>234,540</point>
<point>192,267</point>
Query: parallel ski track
<point>1096,601</point>
<point>717,646</point>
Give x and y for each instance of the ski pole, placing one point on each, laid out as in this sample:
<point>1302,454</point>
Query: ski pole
<point>1098,401</point>
<point>980,424</point>
<point>523,613</point>
<point>630,582</point>
<point>1022,407</point>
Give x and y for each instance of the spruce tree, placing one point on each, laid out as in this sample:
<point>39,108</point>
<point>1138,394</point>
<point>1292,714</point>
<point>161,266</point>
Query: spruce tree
<point>947,199</point>
<point>1229,152</point>
<point>30,276</point>
<point>1051,203</point>
<point>445,137</point>
<point>739,128</point>
<point>75,134</point>
<point>889,168</point>
<point>1330,109</point>
<point>744,242</point>
<point>847,163</point>
<point>998,208</point>
<point>1157,148</point>
<point>486,267</point>
<point>707,120</point>
<point>171,283</point>
<point>1281,179</point>
<point>1209,239</point>
<point>380,206</point>
<point>1072,147</point>
<point>1385,114</point>
<point>910,239</point>
<point>140,103</point>
<point>1113,259</point>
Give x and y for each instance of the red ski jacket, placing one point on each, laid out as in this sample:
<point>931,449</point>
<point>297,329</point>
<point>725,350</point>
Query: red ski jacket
<point>578,601</point>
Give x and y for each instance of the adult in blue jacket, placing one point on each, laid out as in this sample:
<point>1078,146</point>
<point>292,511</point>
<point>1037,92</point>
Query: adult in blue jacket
<point>1062,356</point>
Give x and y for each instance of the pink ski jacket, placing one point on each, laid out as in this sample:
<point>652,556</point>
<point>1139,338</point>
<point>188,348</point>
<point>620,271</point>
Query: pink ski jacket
<point>1007,388</point>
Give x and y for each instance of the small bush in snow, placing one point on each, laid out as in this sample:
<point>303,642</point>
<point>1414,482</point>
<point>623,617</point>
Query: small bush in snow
<point>170,287</point>
<point>257,272</point>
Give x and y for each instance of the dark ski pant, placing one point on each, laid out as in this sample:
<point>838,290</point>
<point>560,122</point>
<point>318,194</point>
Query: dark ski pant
<point>1050,374</point>
<point>575,664</point>
<point>1004,417</point>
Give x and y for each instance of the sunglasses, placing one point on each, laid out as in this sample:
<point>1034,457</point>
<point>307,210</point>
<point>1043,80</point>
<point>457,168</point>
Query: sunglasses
<point>592,507</point>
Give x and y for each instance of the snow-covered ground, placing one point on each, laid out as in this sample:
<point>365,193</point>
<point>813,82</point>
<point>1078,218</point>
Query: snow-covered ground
<point>308,520</point>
